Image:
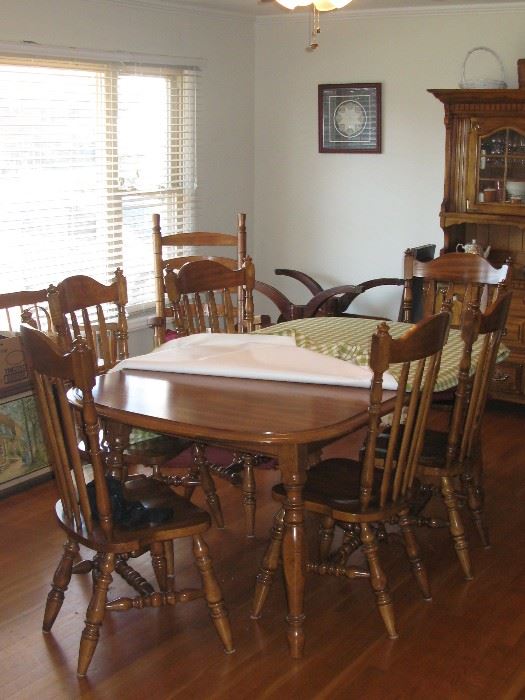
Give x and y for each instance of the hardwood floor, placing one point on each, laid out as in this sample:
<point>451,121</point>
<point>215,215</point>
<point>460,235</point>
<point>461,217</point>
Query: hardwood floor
<point>468,643</point>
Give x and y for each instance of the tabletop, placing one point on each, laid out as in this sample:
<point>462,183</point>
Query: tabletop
<point>230,410</point>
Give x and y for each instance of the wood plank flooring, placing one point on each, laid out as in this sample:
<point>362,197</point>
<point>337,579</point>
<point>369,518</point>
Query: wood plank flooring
<point>469,642</point>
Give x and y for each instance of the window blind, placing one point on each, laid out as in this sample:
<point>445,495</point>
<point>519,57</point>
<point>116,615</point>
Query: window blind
<point>88,152</point>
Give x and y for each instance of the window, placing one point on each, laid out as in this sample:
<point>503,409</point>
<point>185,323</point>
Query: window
<point>88,152</point>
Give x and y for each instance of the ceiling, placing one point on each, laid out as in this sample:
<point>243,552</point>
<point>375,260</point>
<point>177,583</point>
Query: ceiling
<point>256,8</point>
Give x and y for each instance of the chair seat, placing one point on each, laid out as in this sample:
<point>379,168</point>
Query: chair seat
<point>184,519</point>
<point>333,483</point>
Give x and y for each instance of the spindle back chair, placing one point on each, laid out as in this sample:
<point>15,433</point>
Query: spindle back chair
<point>358,493</point>
<point>88,513</point>
<point>453,281</point>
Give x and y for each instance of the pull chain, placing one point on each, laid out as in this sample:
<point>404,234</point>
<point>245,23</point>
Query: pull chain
<point>316,29</point>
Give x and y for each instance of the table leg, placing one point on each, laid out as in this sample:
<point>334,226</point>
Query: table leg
<point>292,462</point>
<point>116,439</point>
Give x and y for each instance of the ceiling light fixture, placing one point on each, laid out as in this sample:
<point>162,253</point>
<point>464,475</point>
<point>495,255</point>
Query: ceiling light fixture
<point>317,7</point>
<point>320,5</point>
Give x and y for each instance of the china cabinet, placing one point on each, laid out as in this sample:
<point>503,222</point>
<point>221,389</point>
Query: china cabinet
<point>484,200</point>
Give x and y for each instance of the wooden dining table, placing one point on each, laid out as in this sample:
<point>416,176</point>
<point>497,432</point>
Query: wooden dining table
<point>280,419</point>
<point>285,420</point>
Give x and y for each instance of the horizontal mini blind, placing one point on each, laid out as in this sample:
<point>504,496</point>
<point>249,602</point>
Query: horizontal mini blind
<point>88,152</point>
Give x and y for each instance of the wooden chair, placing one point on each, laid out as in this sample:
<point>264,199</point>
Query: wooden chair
<point>457,450</point>
<point>17,307</point>
<point>452,281</point>
<point>87,512</point>
<point>27,307</point>
<point>463,284</point>
<point>200,297</point>
<point>359,494</point>
<point>172,251</point>
<point>80,306</point>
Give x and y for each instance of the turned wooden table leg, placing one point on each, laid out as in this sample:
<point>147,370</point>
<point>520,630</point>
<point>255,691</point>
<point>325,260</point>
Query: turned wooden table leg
<point>292,461</point>
<point>116,440</point>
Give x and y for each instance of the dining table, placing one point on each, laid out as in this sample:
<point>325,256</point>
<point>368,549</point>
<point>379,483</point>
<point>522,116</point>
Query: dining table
<point>287,420</point>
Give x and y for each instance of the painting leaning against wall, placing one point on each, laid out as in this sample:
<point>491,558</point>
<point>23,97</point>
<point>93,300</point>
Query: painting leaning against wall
<point>23,456</point>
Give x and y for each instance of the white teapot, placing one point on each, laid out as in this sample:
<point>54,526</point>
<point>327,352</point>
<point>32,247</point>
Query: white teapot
<point>474,248</point>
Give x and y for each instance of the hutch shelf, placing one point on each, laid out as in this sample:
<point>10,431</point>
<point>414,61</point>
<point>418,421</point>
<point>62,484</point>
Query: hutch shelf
<point>484,199</point>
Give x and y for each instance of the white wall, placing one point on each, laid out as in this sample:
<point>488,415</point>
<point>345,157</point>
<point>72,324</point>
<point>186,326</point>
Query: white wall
<point>347,218</point>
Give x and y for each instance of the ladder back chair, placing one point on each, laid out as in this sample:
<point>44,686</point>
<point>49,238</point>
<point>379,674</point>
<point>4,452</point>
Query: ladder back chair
<point>81,306</point>
<point>172,251</point>
<point>200,299</point>
<point>88,513</point>
<point>356,492</point>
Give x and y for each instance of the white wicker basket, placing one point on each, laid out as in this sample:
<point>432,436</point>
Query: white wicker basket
<point>480,83</point>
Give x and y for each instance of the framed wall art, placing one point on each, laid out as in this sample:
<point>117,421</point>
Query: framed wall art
<point>23,455</point>
<point>350,118</point>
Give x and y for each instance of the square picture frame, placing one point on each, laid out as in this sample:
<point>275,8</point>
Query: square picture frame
<point>350,118</point>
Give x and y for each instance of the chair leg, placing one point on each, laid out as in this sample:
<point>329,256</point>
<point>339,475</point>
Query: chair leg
<point>170,566</point>
<point>208,485</point>
<point>378,580</point>
<point>414,555</point>
<point>457,529</point>
<point>269,565</point>
<point>95,614</point>
<point>213,593</point>
<point>158,561</point>
<point>473,485</point>
<point>350,544</point>
<point>61,580</point>
<point>248,494</point>
<point>326,537</point>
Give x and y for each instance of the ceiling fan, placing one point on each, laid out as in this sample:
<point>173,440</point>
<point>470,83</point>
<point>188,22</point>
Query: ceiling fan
<point>317,7</point>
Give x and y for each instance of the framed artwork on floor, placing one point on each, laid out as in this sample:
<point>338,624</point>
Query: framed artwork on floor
<point>350,118</point>
<point>23,455</point>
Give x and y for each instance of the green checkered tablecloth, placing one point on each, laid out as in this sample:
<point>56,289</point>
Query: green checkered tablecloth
<point>350,338</point>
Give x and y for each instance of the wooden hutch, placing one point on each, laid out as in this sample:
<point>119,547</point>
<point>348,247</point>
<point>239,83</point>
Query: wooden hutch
<point>484,199</point>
